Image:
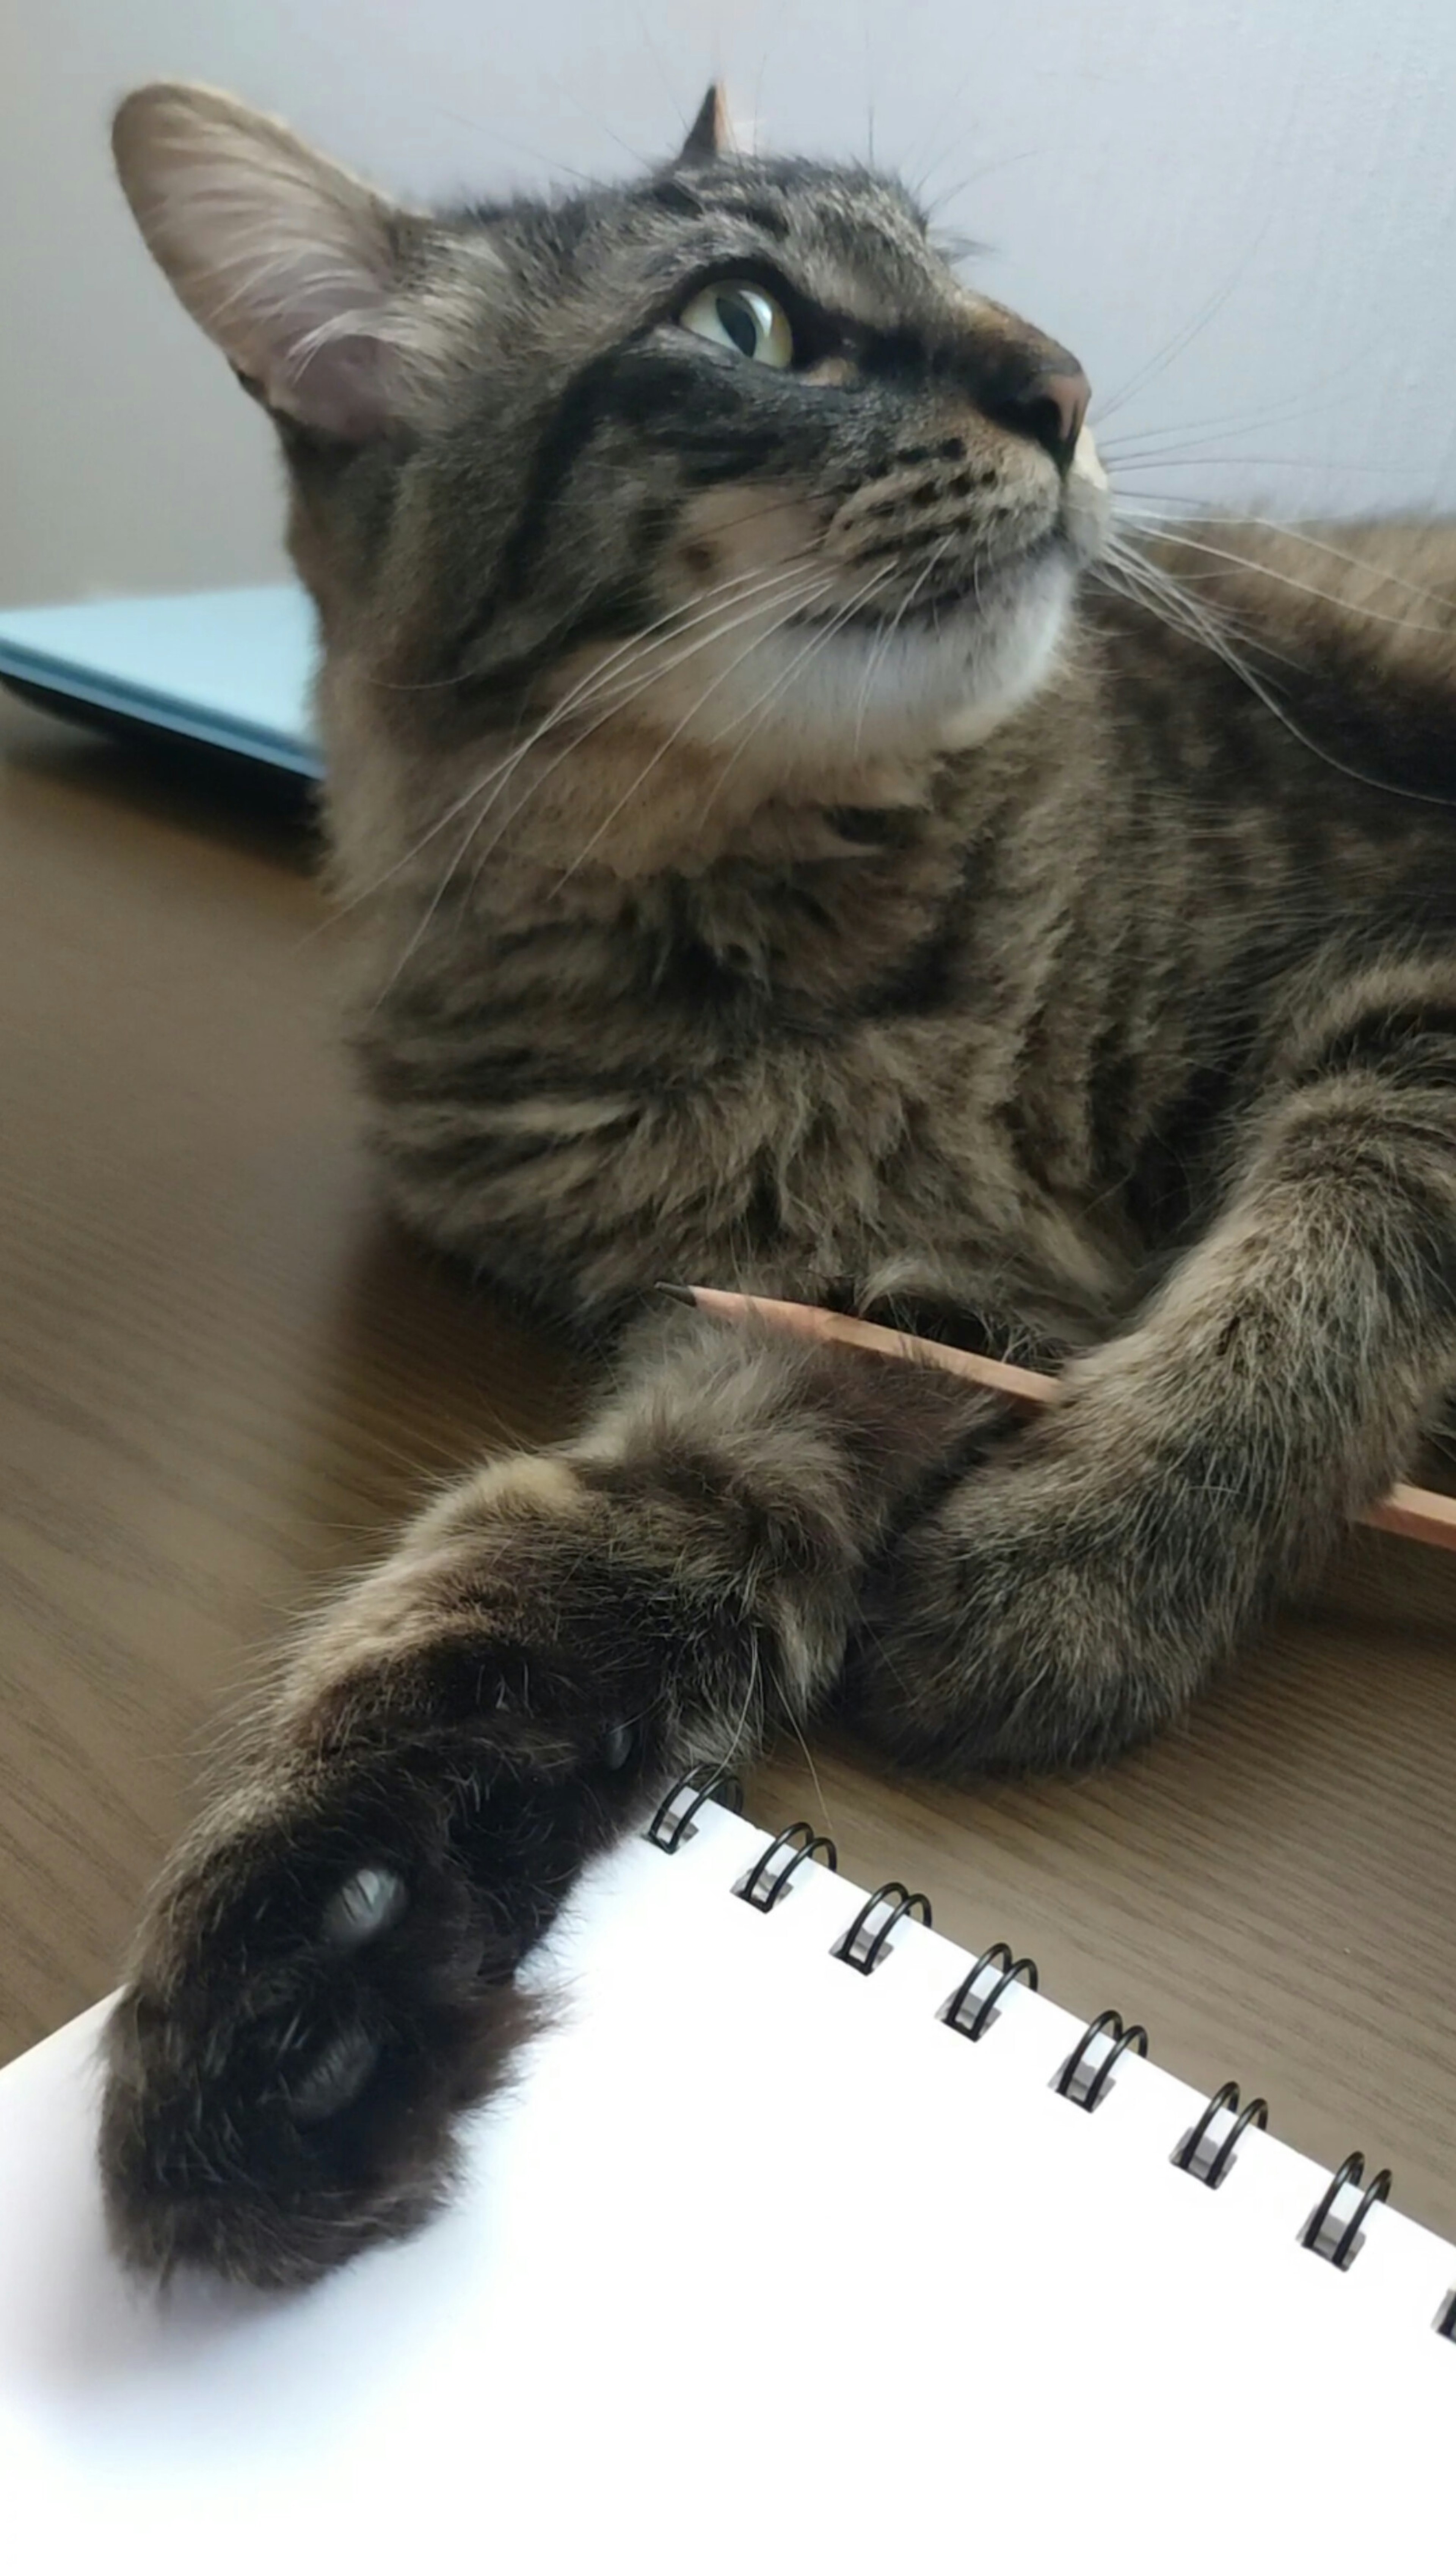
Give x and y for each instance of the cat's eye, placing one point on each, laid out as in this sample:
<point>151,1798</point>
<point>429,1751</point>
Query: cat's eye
<point>741,317</point>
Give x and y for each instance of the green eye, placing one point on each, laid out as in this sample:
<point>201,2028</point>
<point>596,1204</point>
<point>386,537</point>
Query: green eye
<point>744,318</point>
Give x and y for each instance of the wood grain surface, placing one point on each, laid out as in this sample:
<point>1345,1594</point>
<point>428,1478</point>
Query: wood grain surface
<point>223,1379</point>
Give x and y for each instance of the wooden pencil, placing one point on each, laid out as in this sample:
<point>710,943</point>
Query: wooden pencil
<point>1408,1510</point>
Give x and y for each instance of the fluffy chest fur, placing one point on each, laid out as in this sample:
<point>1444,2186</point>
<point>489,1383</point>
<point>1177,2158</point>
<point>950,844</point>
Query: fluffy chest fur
<point>977,1048</point>
<point>808,1073</point>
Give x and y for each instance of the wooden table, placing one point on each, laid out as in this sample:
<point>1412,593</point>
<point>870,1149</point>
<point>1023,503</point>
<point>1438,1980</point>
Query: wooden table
<point>223,1379</point>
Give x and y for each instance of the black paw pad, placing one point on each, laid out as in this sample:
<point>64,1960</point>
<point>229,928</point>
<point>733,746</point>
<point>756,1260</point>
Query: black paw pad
<point>336,2077</point>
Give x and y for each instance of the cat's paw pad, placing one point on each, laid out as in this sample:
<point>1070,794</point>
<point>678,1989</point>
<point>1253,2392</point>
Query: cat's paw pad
<point>335,2078</point>
<point>369,1903</point>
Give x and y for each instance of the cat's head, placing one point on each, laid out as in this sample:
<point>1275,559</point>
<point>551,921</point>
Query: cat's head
<point>727,455</point>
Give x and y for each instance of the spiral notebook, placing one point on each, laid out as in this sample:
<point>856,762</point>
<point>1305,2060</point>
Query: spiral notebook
<point>805,2239</point>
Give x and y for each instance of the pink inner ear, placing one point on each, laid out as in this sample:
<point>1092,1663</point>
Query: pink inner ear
<point>290,264</point>
<point>340,382</point>
<point>311,321</point>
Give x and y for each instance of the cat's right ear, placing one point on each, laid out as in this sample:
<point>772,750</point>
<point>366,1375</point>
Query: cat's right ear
<point>294,267</point>
<point>709,136</point>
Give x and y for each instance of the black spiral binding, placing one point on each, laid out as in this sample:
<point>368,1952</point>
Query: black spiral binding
<point>773,1871</point>
<point>1009,1971</point>
<point>673,1822</point>
<point>1204,2160</point>
<point>1341,2243</point>
<point>865,1943</point>
<point>1084,2086</point>
<point>862,1948</point>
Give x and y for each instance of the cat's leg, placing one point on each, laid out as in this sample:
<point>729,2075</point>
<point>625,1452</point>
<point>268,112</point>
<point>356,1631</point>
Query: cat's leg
<point>326,1975</point>
<point>1072,1597</point>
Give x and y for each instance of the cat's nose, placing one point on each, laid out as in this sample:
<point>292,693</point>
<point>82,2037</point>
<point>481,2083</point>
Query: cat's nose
<point>1049,405</point>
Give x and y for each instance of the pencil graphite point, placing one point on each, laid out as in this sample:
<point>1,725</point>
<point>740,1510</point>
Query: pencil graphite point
<point>679,1295</point>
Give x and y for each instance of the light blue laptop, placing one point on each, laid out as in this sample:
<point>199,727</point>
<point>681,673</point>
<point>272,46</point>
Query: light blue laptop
<point>229,667</point>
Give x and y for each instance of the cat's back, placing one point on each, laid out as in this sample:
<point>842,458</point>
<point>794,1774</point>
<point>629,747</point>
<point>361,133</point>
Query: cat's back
<point>1391,582</point>
<point>1345,632</point>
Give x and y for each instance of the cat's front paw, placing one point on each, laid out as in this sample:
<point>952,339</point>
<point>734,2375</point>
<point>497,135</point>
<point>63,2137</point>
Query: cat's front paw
<point>318,1996</point>
<point>327,1977</point>
<point>1040,1620</point>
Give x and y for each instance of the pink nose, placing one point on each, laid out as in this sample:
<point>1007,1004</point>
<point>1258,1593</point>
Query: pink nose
<point>1050,407</point>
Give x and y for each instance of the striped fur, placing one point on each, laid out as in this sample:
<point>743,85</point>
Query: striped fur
<point>791,845</point>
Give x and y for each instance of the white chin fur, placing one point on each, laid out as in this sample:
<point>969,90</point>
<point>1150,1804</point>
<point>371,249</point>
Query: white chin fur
<point>869,690</point>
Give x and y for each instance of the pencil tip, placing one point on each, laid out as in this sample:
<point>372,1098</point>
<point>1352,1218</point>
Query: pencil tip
<point>679,1295</point>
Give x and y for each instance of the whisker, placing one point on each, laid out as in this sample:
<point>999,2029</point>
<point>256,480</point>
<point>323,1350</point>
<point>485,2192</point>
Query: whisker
<point>1309,589</point>
<point>932,147</point>
<point>681,727</point>
<point>1321,544</point>
<point>1295,407</point>
<point>423,923</point>
<point>1181,607</point>
<point>882,645</point>
<point>583,694</point>
<point>609,675</point>
<point>1191,331</point>
<point>1161,593</point>
<point>778,686</point>
<point>619,697</point>
<point>1196,453</point>
<point>442,823</point>
<point>621,701</point>
<point>826,633</point>
<point>463,678</point>
<point>1150,588</point>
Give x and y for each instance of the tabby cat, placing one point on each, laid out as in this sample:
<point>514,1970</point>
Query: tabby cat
<point>795,842</point>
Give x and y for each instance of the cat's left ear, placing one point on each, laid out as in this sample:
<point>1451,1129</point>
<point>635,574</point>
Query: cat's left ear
<point>307,279</point>
<point>709,136</point>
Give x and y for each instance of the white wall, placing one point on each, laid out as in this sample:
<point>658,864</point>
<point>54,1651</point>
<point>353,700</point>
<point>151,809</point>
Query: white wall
<point>1279,173</point>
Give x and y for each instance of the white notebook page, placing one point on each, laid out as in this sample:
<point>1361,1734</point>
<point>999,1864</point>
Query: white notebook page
<point>761,2264</point>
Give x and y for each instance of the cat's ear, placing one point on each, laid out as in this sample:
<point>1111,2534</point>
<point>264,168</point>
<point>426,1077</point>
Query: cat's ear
<point>709,136</point>
<point>290,264</point>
